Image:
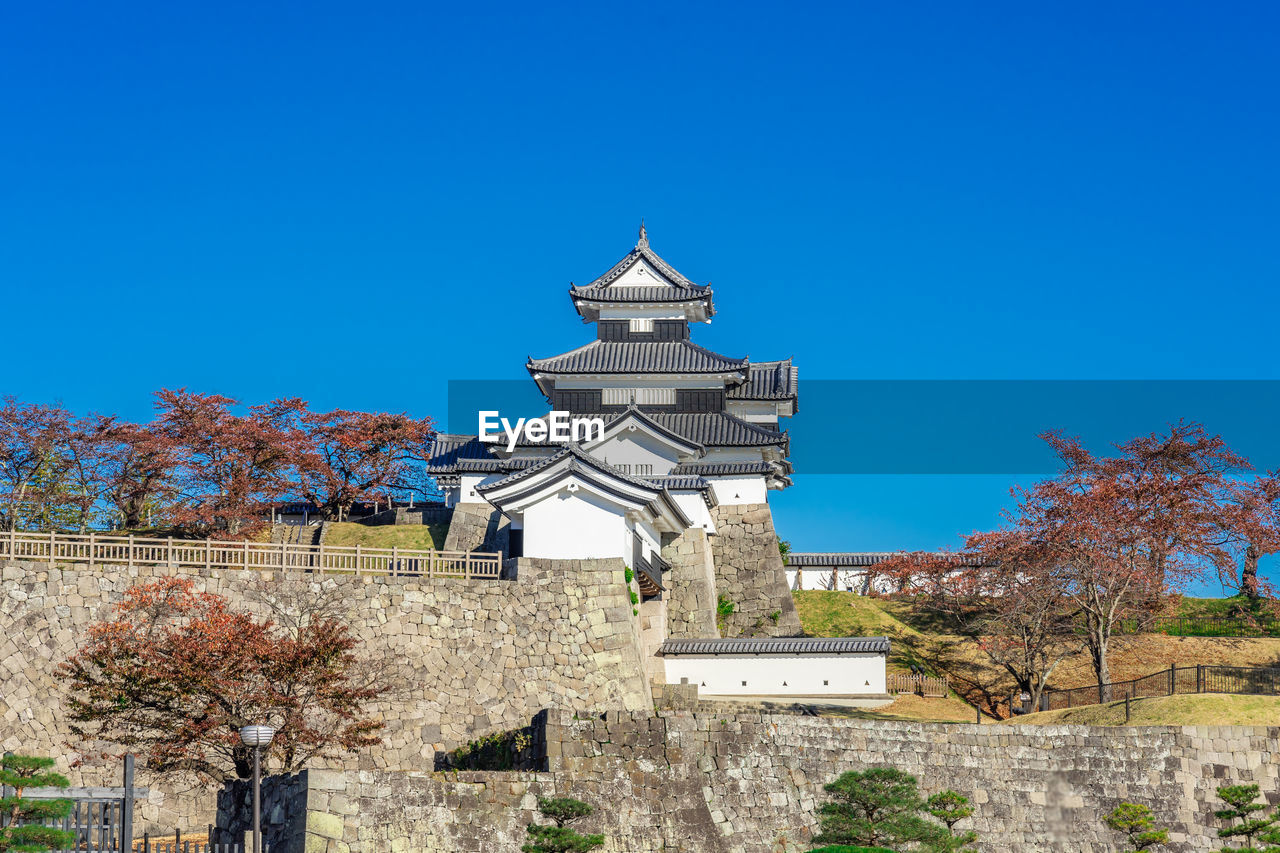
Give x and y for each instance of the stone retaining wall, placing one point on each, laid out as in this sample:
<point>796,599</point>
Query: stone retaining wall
<point>468,656</point>
<point>751,783</point>
<point>477,527</point>
<point>691,587</point>
<point>750,573</point>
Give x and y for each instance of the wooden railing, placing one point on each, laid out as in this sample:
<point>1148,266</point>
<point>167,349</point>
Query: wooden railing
<point>921,685</point>
<point>96,549</point>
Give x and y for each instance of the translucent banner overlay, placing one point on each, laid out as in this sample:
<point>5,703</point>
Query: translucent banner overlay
<point>965,426</point>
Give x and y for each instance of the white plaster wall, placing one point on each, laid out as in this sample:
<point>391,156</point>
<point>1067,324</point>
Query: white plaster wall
<point>649,536</point>
<point>847,580</point>
<point>754,411</point>
<point>656,312</point>
<point>780,675</point>
<point>695,508</point>
<point>467,490</point>
<point>739,490</point>
<point>575,526</point>
<point>816,577</point>
<point>635,447</point>
<point>733,454</point>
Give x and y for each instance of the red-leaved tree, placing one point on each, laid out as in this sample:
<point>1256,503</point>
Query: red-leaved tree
<point>32,464</point>
<point>175,673</point>
<point>344,456</point>
<point>137,472</point>
<point>231,467</point>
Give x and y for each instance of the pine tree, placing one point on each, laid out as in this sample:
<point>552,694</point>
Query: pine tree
<point>873,808</point>
<point>20,817</point>
<point>950,808</point>
<point>1138,825</point>
<point>560,838</point>
<point>1246,819</point>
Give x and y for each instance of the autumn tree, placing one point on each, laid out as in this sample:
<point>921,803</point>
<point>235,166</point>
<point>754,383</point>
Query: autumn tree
<point>1001,591</point>
<point>175,673</point>
<point>231,467</point>
<point>31,461</point>
<point>1167,509</point>
<point>345,456</point>
<point>137,471</point>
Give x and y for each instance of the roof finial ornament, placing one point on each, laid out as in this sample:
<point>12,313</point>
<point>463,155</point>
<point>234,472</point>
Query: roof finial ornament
<point>643,242</point>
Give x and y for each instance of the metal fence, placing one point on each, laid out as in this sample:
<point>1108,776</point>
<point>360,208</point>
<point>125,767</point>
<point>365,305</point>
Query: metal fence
<point>95,549</point>
<point>1202,678</point>
<point>1217,626</point>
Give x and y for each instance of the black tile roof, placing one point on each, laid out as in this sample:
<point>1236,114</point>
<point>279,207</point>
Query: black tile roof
<point>768,380</point>
<point>449,450</point>
<point>676,483</point>
<point>710,429</point>
<point>675,288</point>
<point>726,469</point>
<point>777,646</point>
<point>855,559</point>
<point>581,459</point>
<point>638,357</point>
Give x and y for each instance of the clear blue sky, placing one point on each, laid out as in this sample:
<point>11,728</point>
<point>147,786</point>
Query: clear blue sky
<point>355,203</point>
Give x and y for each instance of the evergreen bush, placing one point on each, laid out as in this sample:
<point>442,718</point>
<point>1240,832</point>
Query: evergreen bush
<point>21,818</point>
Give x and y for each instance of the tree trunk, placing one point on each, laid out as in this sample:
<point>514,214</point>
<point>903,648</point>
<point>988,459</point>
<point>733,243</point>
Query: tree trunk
<point>1249,574</point>
<point>1102,668</point>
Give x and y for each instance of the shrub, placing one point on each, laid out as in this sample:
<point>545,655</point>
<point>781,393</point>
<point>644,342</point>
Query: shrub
<point>845,848</point>
<point>950,808</point>
<point>1245,818</point>
<point>1138,825</point>
<point>560,838</point>
<point>873,807</point>
<point>881,806</point>
<point>20,818</point>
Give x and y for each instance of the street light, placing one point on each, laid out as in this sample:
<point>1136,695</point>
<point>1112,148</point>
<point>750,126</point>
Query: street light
<point>257,737</point>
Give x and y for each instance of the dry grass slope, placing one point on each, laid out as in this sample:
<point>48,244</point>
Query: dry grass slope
<point>1205,709</point>
<point>420,537</point>
<point>920,638</point>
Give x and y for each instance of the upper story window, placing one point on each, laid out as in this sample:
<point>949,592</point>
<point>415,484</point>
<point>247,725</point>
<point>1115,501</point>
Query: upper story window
<point>642,396</point>
<point>642,324</point>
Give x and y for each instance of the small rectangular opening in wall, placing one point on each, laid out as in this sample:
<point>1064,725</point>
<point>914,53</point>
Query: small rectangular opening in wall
<point>825,683</point>
<point>744,684</point>
<point>642,324</point>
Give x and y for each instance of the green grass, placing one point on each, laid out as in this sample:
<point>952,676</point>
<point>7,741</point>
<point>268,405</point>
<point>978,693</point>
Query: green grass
<point>1203,709</point>
<point>418,537</point>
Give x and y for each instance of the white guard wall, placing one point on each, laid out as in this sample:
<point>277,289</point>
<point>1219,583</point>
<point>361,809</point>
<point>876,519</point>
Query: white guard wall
<point>817,577</point>
<point>739,490</point>
<point>695,509</point>
<point>771,675</point>
<point>575,526</point>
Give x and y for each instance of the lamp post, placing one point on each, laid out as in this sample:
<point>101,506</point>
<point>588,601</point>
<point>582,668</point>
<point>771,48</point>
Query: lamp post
<point>257,737</point>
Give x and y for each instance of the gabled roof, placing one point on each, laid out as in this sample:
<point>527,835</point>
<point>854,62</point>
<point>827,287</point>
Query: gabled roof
<point>709,429</point>
<point>633,417</point>
<point>573,461</point>
<point>670,286</point>
<point>768,380</point>
<point>639,357</point>
<point>777,646</point>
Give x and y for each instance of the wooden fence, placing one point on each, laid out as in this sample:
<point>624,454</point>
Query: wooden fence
<point>96,549</point>
<point>922,685</point>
